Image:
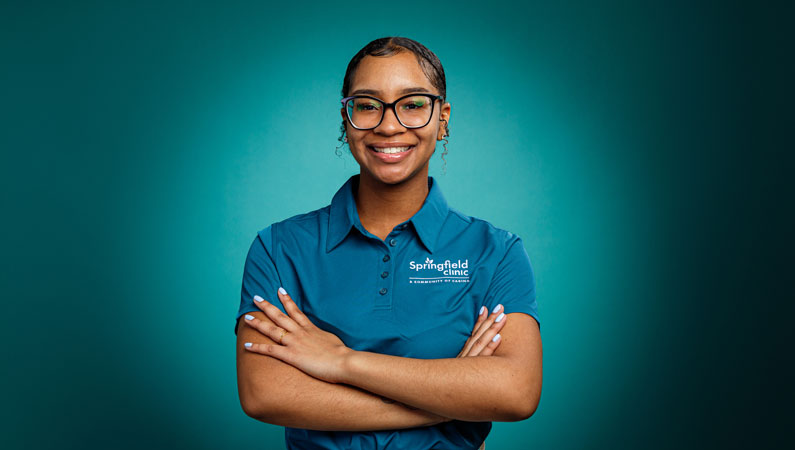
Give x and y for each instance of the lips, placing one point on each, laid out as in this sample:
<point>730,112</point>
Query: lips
<point>391,153</point>
<point>391,150</point>
<point>390,147</point>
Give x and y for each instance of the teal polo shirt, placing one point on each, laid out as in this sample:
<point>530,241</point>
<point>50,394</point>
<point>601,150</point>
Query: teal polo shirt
<point>415,294</point>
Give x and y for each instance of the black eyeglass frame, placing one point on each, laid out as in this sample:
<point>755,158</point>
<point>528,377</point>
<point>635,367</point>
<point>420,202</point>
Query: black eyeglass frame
<point>390,105</point>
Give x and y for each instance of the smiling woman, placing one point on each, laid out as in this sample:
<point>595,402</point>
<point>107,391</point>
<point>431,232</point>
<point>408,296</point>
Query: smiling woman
<point>389,319</point>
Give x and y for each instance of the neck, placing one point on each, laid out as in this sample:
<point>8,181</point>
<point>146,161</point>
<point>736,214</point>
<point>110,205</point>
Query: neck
<point>382,206</point>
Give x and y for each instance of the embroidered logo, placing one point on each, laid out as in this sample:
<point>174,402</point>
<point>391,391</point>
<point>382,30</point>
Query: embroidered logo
<point>448,271</point>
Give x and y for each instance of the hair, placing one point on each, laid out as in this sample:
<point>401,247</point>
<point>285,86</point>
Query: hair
<point>388,46</point>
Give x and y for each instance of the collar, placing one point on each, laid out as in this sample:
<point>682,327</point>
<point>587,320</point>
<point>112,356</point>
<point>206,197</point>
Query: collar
<point>427,221</point>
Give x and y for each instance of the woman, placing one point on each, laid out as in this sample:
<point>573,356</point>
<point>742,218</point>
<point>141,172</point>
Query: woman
<point>388,319</point>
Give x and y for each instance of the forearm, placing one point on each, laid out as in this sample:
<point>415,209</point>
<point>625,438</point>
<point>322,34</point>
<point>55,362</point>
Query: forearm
<point>275,392</point>
<point>478,388</point>
<point>302,401</point>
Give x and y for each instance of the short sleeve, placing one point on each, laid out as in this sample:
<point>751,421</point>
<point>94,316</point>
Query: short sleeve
<point>260,276</point>
<point>513,284</point>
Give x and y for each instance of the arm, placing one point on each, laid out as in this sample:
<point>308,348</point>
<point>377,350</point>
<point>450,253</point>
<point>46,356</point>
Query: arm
<point>505,387</point>
<point>275,392</point>
<point>331,406</point>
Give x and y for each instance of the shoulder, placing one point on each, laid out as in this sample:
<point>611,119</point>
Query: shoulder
<point>481,230</point>
<point>306,225</point>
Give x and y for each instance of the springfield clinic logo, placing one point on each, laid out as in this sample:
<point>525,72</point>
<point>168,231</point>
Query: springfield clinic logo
<point>430,272</point>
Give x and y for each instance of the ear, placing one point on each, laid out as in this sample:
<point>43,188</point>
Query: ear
<point>444,121</point>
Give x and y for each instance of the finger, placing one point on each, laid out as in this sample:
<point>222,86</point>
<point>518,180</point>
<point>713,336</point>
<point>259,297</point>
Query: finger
<point>489,321</point>
<point>483,340</point>
<point>492,345</point>
<point>482,328</point>
<point>275,314</point>
<point>292,309</point>
<point>275,350</point>
<point>480,319</point>
<point>268,329</point>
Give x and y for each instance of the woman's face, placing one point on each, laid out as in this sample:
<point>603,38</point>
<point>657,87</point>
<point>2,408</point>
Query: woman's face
<point>388,78</point>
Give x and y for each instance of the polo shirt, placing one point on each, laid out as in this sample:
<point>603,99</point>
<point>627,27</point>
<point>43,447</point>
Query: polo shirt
<point>415,294</point>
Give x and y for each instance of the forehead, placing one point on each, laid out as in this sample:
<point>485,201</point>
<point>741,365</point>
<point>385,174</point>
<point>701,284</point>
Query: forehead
<point>389,75</point>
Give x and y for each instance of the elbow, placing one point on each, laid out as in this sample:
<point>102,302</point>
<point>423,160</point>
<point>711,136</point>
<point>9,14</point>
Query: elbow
<point>525,409</point>
<point>526,404</point>
<point>255,408</point>
<point>251,407</point>
<point>261,412</point>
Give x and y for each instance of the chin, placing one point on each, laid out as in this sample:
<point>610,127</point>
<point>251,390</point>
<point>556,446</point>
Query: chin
<point>395,176</point>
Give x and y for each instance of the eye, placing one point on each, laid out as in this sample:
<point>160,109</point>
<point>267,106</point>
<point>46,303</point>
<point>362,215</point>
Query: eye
<point>367,105</point>
<point>414,103</point>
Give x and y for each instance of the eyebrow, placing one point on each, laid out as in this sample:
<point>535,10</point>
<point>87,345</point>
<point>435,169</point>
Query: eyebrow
<point>418,90</point>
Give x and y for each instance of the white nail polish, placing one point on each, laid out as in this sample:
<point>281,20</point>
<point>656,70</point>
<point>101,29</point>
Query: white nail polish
<point>282,291</point>
<point>496,338</point>
<point>482,310</point>
<point>248,344</point>
<point>496,308</point>
<point>257,298</point>
<point>499,318</point>
<point>249,317</point>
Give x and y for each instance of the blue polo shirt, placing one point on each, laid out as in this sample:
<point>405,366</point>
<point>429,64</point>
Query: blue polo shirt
<point>415,294</point>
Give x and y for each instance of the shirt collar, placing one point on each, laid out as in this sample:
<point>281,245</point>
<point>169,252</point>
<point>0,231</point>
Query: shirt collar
<point>427,221</point>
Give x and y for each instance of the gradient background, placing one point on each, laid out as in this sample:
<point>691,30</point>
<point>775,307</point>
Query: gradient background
<point>638,150</point>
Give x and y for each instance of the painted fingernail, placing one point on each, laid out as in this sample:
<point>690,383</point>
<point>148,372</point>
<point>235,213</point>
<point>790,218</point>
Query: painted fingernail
<point>496,338</point>
<point>482,310</point>
<point>249,317</point>
<point>499,318</point>
<point>248,344</point>
<point>282,291</point>
<point>496,308</point>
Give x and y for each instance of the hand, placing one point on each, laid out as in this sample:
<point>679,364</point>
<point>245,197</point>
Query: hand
<point>480,342</point>
<point>298,341</point>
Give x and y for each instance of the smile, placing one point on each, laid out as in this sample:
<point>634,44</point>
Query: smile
<point>390,150</point>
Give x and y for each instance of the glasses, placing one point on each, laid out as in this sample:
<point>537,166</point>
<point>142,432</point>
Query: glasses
<point>412,111</point>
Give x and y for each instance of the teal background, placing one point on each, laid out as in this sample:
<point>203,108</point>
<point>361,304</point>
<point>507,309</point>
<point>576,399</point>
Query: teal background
<point>638,150</point>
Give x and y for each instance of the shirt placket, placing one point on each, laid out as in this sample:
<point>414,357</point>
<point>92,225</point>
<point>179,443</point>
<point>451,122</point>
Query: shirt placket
<point>386,282</point>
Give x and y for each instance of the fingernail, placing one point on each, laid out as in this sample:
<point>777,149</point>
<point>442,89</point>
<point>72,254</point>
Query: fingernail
<point>258,299</point>
<point>282,291</point>
<point>499,318</point>
<point>482,310</point>
<point>248,344</point>
<point>250,317</point>
<point>496,338</point>
<point>496,308</point>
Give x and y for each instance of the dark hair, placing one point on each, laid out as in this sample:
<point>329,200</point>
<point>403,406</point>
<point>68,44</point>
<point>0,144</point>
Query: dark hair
<point>388,46</point>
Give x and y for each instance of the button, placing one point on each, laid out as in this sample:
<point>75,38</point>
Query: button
<point>382,291</point>
<point>392,242</point>
<point>386,258</point>
<point>384,274</point>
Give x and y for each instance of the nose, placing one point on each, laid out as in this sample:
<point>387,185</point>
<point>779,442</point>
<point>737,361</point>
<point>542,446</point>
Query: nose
<point>389,124</point>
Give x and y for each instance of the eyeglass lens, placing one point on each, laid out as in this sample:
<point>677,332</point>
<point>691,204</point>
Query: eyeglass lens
<point>414,111</point>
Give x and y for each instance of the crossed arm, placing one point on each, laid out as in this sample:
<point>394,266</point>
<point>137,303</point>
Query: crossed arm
<point>279,385</point>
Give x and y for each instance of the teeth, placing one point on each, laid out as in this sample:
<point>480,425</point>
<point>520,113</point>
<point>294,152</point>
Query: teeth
<point>390,149</point>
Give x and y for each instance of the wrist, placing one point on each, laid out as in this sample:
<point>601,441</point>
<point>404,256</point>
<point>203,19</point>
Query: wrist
<point>345,364</point>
